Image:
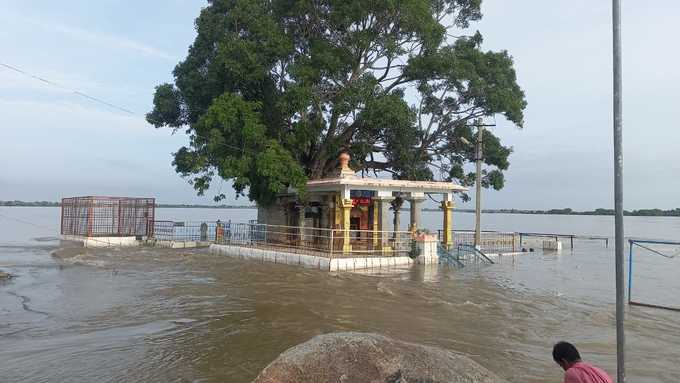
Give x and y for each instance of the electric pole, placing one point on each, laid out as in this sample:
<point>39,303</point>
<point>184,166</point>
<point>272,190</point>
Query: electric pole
<point>478,184</point>
<point>618,190</point>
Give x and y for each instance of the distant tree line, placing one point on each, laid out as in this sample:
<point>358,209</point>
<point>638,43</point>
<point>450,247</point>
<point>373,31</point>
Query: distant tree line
<point>28,203</point>
<point>189,206</point>
<point>160,205</point>
<point>566,211</point>
<point>569,211</point>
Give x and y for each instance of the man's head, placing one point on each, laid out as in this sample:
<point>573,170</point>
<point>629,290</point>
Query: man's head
<point>565,354</point>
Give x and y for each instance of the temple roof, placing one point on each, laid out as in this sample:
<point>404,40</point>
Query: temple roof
<point>346,178</point>
<point>383,184</point>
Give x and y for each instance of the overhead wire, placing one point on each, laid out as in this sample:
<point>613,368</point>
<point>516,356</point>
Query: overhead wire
<point>76,92</point>
<point>103,102</point>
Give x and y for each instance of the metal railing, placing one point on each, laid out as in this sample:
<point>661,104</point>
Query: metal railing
<point>504,242</point>
<point>490,241</point>
<point>469,253</point>
<point>332,243</point>
<point>97,216</point>
<point>448,256</point>
<point>662,248</point>
<point>462,255</point>
<point>571,237</point>
<point>200,231</point>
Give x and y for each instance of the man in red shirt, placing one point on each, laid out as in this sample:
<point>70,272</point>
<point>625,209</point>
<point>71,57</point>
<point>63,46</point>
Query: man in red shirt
<point>576,371</point>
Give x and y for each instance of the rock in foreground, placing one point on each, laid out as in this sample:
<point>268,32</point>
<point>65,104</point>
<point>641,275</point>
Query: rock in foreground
<point>360,357</point>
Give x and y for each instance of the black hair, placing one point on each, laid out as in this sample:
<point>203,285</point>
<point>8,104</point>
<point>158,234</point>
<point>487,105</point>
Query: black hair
<point>565,351</point>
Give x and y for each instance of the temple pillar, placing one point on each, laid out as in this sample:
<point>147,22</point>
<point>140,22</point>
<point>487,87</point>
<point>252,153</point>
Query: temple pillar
<point>396,206</point>
<point>376,227</point>
<point>337,213</point>
<point>301,223</point>
<point>346,207</point>
<point>416,203</point>
<point>324,211</point>
<point>332,220</point>
<point>382,207</point>
<point>447,237</point>
<point>320,234</point>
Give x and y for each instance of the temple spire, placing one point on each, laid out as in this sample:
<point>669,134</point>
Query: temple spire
<point>345,171</point>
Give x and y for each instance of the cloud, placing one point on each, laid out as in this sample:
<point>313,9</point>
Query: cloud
<point>111,40</point>
<point>49,145</point>
<point>91,37</point>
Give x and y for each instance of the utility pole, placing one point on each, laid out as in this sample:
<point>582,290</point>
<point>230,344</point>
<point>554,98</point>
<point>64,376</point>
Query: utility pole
<point>618,190</point>
<point>478,184</point>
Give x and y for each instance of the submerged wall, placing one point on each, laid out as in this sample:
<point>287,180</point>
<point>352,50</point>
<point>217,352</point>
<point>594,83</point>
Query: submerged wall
<point>311,261</point>
<point>103,241</point>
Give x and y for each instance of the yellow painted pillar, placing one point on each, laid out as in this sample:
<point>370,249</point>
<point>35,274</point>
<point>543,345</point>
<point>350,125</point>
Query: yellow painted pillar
<point>376,228</point>
<point>447,237</point>
<point>346,206</point>
<point>337,212</point>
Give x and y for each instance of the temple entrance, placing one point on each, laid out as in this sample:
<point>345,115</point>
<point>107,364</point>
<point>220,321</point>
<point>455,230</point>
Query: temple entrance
<point>361,220</point>
<point>355,224</point>
<point>360,214</point>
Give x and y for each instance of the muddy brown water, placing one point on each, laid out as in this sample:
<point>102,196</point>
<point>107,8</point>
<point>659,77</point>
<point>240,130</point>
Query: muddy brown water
<point>125,315</point>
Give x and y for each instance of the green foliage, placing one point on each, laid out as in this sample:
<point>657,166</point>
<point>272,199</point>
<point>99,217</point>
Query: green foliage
<point>271,91</point>
<point>231,141</point>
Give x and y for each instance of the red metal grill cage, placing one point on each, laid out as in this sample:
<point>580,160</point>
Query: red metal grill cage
<point>95,216</point>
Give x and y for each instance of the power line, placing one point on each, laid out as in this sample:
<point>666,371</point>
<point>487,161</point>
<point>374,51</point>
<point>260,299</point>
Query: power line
<point>97,100</point>
<point>76,92</point>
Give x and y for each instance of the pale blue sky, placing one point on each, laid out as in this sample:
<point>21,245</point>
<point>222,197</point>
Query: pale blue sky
<point>54,143</point>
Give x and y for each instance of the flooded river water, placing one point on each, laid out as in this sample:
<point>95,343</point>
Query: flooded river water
<point>128,315</point>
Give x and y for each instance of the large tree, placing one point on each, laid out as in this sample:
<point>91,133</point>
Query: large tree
<point>272,91</point>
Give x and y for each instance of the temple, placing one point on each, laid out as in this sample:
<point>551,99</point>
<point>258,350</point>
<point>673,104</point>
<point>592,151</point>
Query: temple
<point>365,212</point>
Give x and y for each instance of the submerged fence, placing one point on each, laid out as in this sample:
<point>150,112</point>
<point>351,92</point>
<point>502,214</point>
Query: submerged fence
<point>331,241</point>
<point>507,242</point>
<point>557,237</point>
<point>490,241</point>
<point>470,254</point>
<point>201,231</point>
<point>658,263</point>
<point>462,255</point>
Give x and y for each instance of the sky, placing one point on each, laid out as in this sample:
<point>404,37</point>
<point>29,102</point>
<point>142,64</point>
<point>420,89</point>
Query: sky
<point>54,143</point>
